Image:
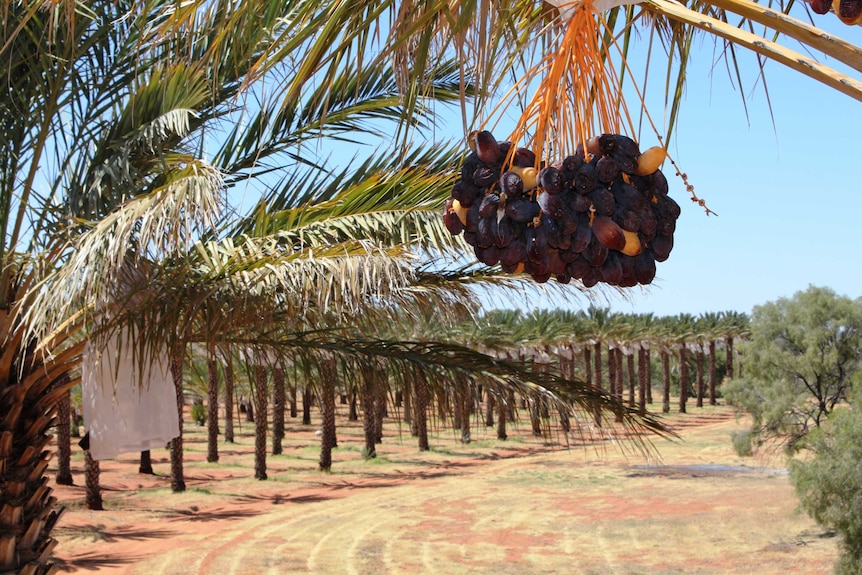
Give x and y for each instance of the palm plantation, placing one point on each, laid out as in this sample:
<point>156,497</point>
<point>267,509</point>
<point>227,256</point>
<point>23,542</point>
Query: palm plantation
<point>135,129</point>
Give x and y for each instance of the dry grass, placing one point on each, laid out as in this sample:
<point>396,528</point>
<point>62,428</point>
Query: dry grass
<point>518,506</point>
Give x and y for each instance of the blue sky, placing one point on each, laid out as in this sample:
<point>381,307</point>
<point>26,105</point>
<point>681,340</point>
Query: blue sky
<point>788,194</point>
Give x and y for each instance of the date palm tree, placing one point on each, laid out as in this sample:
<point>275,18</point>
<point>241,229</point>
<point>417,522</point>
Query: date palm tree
<point>107,114</point>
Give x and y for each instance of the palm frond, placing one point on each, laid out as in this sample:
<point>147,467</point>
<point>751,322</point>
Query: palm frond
<point>760,45</point>
<point>152,227</point>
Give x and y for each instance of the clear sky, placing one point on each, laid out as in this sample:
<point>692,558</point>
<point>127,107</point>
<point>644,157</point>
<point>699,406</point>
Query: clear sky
<point>788,194</point>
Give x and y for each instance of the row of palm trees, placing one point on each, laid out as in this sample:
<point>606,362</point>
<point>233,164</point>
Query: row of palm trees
<point>590,345</point>
<point>596,331</point>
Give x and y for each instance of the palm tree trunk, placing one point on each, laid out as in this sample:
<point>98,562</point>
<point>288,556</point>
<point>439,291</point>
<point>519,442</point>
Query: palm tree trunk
<point>490,406</point>
<point>145,465</point>
<point>212,406</point>
<point>700,379</point>
<point>712,375</point>
<point>597,362</point>
<point>306,405</point>
<point>683,378</point>
<point>64,439</point>
<point>293,410</point>
<point>728,362</point>
<point>630,364</point>
<point>178,482</point>
<point>368,418</point>
<point>535,419</point>
<point>648,377</point>
<point>502,412</point>
<point>643,359</point>
<point>277,410</point>
<point>228,400</point>
<point>612,371</point>
<point>665,366</point>
<point>91,476</point>
<point>77,422</point>
<point>328,374</point>
<point>27,509</point>
<point>619,384</point>
<point>588,371</point>
<point>465,405</point>
<point>249,409</point>
<point>352,408</point>
<point>408,402</point>
<point>620,373</point>
<point>421,414</point>
<point>456,411</point>
<point>260,405</point>
<point>379,407</point>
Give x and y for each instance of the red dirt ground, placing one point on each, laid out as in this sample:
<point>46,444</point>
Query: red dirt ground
<point>520,506</point>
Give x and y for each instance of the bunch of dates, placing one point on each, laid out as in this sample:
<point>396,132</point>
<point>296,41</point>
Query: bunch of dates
<point>600,215</point>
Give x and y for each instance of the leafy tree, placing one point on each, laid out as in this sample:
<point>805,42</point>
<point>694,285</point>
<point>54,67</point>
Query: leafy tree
<point>801,357</point>
<point>828,485</point>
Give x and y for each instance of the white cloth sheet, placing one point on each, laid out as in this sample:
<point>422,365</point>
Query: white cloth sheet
<point>125,409</point>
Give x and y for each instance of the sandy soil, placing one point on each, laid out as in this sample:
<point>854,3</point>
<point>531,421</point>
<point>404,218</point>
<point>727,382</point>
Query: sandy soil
<point>519,506</point>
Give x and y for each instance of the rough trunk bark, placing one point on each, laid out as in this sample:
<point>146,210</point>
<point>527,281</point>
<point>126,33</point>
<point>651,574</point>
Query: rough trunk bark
<point>228,400</point>
<point>728,361</point>
<point>490,406</point>
<point>597,362</point>
<point>649,378</point>
<point>379,406</point>
<point>352,411</point>
<point>502,412</point>
<point>178,482</point>
<point>306,405</point>
<point>683,378</point>
<point>630,365</point>
<point>665,368</point>
<point>700,379</point>
<point>612,371</point>
<point>712,376</point>
<point>421,415</point>
<point>643,382</point>
<point>328,374</point>
<point>277,410</point>
<point>145,465</point>
<point>465,405</point>
<point>249,410</point>
<point>212,406</point>
<point>620,374</point>
<point>260,405</point>
<point>535,419</point>
<point>293,410</point>
<point>64,438</point>
<point>28,513</point>
<point>408,402</point>
<point>93,494</point>
<point>368,417</point>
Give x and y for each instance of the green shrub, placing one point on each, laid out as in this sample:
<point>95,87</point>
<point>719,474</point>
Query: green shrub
<point>742,443</point>
<point>199,413</point>
<point>830,483</point>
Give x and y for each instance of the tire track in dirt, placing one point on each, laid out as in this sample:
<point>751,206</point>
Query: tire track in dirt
<point>351,535</point>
